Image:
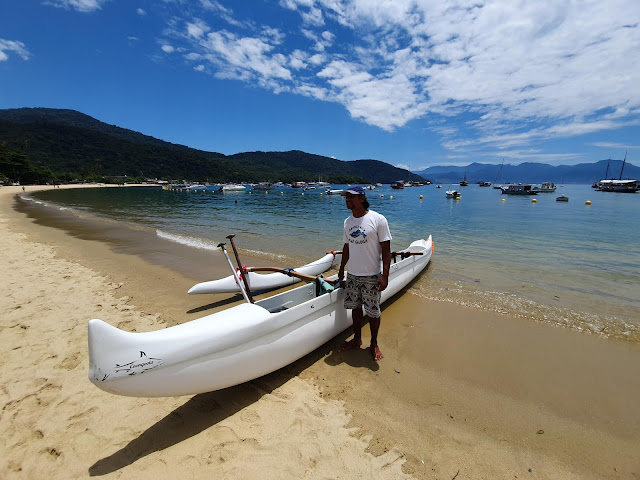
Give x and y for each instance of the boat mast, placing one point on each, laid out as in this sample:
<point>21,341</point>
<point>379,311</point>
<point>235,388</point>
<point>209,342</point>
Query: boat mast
<point>499,172</point>
<point>623,162</point>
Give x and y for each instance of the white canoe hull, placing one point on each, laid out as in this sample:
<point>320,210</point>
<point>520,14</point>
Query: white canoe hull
<point>260,281</point>
<point>229,347</point>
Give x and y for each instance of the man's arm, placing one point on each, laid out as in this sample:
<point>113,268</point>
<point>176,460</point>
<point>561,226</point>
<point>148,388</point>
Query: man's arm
<point>345,259</point>
<point>383,281</point>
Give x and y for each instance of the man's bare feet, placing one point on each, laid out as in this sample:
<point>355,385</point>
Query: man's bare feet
<point>377,354</point>
<point>350,345</point>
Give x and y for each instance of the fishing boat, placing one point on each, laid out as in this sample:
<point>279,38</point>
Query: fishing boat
<point>263,186</point>
<point>398,185</point>
<point>463,182</point>
<point>620,185</point>
<point>263,281</point>
<point>235,345</point>
<point>546,187</point>
<point>519,189</point>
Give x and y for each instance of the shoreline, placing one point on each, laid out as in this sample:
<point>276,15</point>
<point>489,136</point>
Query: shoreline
<point>459,389</point>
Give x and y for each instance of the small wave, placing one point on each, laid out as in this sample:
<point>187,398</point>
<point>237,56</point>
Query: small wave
<point>188,240</point>
<point>267,255</point>
<point>609,326</point>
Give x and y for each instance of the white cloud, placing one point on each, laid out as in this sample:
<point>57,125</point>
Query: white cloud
<point>502,62</point>
<point>12,46</point>
<point>141,12</point>
<point>517,72</point>
<point>168,49</point>
<point>197,29</point>
<point>615,145</point>
<point>245,58</point>
<point>79,5</point>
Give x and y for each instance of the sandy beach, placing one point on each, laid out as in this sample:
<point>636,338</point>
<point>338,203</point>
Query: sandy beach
<point>461,393</point>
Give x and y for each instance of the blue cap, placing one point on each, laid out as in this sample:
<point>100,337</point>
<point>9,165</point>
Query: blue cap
<point>354,191</point>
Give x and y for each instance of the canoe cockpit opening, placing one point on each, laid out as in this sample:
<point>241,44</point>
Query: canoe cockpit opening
<point>289,299</point>
<point>281,308</point>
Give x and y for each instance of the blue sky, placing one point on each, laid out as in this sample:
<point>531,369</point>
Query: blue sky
<point>412,83</point>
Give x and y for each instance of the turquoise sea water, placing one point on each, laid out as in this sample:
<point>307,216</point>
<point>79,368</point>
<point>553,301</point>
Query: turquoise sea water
<point>569,264</point>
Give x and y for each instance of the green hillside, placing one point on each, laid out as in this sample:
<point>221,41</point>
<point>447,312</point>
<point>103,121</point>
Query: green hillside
<point>40,145</point>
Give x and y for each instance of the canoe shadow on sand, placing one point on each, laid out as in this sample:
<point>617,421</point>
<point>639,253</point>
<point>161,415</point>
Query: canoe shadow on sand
<point>207,409</point>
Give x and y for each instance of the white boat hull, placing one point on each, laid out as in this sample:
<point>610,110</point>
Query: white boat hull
<point>229,347</point>
<point>261,281</point>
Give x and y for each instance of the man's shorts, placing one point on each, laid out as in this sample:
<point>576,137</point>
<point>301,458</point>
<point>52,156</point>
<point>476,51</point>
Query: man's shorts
<point>363,291</point>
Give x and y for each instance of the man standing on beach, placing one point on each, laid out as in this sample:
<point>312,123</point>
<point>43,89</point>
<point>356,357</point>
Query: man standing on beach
<point>367,240</point>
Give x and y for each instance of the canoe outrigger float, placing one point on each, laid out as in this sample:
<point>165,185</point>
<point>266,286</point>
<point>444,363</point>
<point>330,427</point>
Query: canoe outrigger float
<point>261,281</point>
<point>235,345</point>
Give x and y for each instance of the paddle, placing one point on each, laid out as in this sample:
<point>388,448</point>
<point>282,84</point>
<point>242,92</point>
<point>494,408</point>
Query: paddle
<point>235,275</point>
<point>244,278</point>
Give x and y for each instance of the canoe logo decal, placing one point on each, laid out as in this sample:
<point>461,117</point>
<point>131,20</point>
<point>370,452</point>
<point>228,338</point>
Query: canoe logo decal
<point>357,233</point>
<point>142,364</point>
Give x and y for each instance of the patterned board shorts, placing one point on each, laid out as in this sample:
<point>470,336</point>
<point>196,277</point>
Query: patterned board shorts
<point>363,291</point>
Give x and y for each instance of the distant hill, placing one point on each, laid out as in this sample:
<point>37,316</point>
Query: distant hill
<point>531,172</point>
<point>68,144</point>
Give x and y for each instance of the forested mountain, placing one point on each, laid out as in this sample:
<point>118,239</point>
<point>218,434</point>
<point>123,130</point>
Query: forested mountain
<point>532,172</point>
<point>42,144</point>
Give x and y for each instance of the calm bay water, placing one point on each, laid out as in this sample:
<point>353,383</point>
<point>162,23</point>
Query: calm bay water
<point>569,264</point>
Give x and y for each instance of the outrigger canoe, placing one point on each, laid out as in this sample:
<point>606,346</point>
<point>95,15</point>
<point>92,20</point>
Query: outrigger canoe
<point>262,281</point>
<point>232,346</point>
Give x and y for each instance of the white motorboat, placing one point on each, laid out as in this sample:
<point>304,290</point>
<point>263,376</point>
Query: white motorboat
<point>232,187</point>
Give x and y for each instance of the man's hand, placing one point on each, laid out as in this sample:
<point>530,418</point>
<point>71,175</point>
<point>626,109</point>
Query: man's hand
<point>383,281</point>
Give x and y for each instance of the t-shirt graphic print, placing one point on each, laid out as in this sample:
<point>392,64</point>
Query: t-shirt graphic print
<point>364,235</point>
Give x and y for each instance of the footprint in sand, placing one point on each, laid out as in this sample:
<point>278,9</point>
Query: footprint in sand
<point>70,362</point>
<point>249,416</point>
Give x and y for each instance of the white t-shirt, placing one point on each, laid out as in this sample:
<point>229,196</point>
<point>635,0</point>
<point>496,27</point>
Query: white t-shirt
<point>364,235</point>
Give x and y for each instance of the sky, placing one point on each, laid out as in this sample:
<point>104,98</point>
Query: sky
<point>414,83</point>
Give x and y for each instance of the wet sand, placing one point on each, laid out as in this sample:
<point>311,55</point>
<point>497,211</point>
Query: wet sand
<point>460,391</point>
